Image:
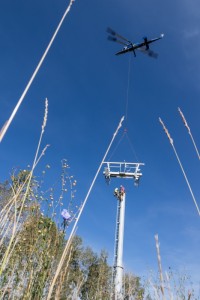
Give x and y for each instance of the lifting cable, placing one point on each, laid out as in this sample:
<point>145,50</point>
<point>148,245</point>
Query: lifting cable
<point>125,132</point>
<point>116,147</point>
<point>127,91</point>
<point>132,147</point>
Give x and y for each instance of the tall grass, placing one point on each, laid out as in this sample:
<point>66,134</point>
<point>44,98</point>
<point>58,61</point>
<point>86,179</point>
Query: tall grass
<point>170,284</point>
<point>31,243</point>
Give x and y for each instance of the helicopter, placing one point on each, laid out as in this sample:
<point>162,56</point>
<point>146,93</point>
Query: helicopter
<point>129,46</point>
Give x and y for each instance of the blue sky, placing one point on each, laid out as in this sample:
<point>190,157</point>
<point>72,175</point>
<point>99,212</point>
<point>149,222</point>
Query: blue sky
<point>86,86</point>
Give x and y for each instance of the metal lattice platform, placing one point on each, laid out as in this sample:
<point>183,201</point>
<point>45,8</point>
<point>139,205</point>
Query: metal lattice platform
<point>122,170</point>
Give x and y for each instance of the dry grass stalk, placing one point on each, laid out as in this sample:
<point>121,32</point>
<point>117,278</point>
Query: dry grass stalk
<point>80,284</point>
<point>168,286</point>
<point>160,268</point>
<point>189,131</point>
<point>180,164</point>
<point>62,276</point>
<point>9,121</point>
<point>22,200</point>
<point>155,290</point>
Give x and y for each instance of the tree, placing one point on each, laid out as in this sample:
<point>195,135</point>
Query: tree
<point>132,287</point>
<point>98,278</point>
<point>33,258</point>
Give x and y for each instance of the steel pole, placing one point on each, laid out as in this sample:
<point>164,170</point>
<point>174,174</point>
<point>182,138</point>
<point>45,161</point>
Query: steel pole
<point>119,270</point>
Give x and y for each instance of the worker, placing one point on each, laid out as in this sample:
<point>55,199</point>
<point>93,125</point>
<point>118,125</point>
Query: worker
<point>116,192</point>
<point>122,190</point>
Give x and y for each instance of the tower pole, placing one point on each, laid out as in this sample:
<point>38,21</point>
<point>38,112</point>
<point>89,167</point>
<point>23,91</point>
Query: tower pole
<point>120,170</point>
<point>119,241</point>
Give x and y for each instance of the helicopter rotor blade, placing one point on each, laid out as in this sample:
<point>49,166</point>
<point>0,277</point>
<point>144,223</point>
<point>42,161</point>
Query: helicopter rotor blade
<point>114,33</point>
<point>114,39</point>
<point>109,30</point>
<point>148,52</point>
<point>152,54</point>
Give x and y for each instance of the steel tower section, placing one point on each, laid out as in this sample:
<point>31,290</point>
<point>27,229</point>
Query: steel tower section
<point>120,170</point>
<point>118,269</point>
